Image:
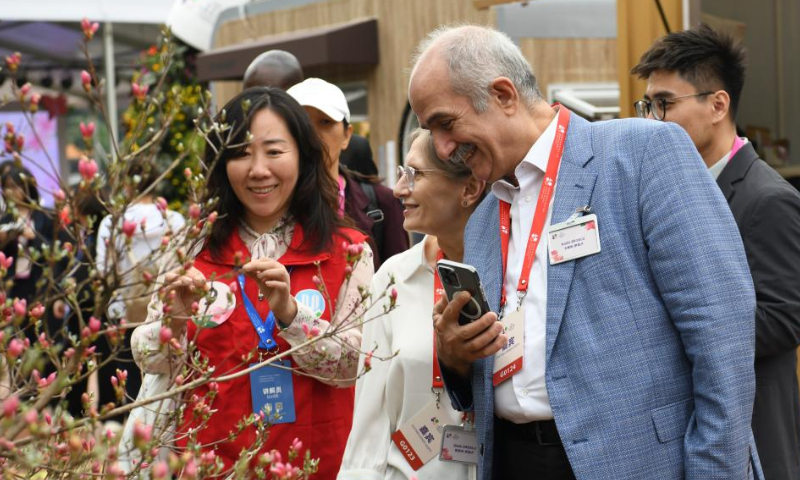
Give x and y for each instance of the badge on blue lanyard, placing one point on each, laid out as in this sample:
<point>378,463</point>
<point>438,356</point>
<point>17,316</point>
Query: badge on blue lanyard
<point>272,392</point>
<point>264,328</point>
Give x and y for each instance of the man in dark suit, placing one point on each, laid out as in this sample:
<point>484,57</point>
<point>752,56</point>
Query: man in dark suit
<point>695,78</point>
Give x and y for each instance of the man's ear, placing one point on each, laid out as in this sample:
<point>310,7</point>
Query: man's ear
<point>504,93</point>
<point>472,191</point>
<point>721,105</point>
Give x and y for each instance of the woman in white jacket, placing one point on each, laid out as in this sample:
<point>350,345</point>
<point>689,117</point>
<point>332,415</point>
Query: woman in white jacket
<point>438,198</point>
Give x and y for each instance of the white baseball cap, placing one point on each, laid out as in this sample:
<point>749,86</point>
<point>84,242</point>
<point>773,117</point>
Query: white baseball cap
<point>325,97</point>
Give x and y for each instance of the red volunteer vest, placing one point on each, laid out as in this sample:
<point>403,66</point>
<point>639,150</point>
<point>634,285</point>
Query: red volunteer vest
<point>324,413</point>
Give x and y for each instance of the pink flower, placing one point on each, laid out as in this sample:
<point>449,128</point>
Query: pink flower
<point>35,99</point>
<point>393,294</point>
<point>25,89</point>
<point>316,280</point>
<point>194,211</point>
<point>10,405</point>
<point>212,217</point>
<point>20,307</point>
<point>89,28</point>
<point>234,287</point>
<point>139,91</point>
<point>60,195</point>
<point>142,434</point>
<point>5,262</point>
<point>208,457</point>
<point>86,80</point>
<point>160,470</point>
<point>15,348</point>
<point>87,130</point>
<point>87,168</point>
<point>37,311</point>
<point>94,324</point>
<point>165,335</point>
<point>161,204</point>
<point>297,445</point>
<point>368,361</point>
<point>13,61</point>
<point>310,332</point>
<point>43,341</point>
<point>187,172</point>
<point>65,215</point>
<point>190,470</point>
<point>128,228</point>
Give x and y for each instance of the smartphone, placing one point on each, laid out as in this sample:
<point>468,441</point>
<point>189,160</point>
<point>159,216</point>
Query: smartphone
<point>457,277</point>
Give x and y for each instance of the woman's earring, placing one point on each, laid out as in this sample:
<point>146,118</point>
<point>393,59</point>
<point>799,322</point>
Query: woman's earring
<point>464,204</point>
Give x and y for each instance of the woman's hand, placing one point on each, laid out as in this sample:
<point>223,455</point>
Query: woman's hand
<point>189,287</point>
<point>273,281</point>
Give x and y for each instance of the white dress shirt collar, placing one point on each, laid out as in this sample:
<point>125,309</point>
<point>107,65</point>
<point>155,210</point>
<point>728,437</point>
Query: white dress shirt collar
<point>536,158</point>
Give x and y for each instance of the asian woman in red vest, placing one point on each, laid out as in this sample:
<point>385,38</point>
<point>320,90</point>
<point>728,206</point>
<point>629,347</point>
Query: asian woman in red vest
<point>278,241</point>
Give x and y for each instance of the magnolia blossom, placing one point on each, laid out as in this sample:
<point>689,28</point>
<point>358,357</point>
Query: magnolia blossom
<point>86,80</point>
<point>87,129</point>
<point>87,168</point>
<point>89,28</point>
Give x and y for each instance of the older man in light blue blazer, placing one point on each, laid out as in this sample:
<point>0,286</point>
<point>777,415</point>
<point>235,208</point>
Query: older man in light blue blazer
<point>644,350</point>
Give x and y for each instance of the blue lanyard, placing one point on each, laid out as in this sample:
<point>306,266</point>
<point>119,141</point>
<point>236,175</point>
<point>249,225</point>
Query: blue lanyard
<point>264,328</point>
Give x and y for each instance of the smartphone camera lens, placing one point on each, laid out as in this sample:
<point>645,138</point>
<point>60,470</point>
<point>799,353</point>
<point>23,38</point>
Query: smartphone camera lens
<point>449,277</point>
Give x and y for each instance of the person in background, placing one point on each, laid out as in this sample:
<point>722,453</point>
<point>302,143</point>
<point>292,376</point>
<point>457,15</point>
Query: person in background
<point>277,215</point>
<point>615,254</point>
<point>438,198</point>
<point>25,227</point>
<point>131,257</point>
<point>273,68</point>
<point>281,69</point>
<point>695,79</point>
<point>89,212</point>
<point>365,200</point>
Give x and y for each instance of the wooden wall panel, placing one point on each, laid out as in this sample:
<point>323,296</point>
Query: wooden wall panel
<point>556,60</point>
<point>638,26</point>
<point>401,25</point>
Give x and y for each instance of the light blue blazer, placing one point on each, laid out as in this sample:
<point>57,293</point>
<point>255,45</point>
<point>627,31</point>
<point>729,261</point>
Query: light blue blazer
<point>650,343</point>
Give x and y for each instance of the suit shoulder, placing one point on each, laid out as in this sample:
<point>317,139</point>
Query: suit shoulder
<point>635,132</point>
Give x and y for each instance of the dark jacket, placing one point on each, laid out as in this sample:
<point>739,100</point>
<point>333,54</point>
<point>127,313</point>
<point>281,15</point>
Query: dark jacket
<point>393,239</point>
<point>358,156</point>
<point>767,210</point>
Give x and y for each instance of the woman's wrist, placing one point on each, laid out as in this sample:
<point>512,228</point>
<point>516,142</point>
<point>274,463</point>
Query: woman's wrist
<point>286,318</point>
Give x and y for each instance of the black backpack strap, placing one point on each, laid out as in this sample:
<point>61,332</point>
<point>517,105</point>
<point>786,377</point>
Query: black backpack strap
<point>374,211</point>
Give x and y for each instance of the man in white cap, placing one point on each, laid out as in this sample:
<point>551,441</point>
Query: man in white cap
<point>372,206</point>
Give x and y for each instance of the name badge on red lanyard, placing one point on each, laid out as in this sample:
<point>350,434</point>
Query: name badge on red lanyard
<point>508,361</point>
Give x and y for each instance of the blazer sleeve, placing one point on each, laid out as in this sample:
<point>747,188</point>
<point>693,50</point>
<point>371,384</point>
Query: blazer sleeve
<point>366,455</point>
<point>773,250</point>
<point>698,264</point>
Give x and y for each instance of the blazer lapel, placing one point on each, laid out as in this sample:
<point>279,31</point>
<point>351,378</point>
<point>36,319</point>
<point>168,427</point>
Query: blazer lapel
<point>573,190</point>
<point>736,170</point>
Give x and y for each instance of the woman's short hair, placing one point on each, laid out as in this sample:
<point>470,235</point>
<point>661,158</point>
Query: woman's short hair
<point>450,169</point>
<point>314,200</point>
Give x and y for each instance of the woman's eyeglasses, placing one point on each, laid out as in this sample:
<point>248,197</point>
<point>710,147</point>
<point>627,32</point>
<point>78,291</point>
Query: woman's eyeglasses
<point>658,106</point>
<point>411,174</point>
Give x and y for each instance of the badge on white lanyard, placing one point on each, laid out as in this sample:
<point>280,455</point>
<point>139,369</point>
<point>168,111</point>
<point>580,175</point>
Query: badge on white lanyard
<point>508,361</point>
<point>420,438</point>
<point>578,237</point>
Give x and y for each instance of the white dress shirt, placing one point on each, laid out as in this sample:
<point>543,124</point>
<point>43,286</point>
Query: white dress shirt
<point>717,168</point>
<point>524,397</point>
<point>396,389</point>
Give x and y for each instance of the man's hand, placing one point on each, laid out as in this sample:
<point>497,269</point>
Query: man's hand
<point>458,346</point>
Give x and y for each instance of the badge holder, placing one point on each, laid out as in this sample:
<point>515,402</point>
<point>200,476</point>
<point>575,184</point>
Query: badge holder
<point>460,443</point>
<point>577,237</point>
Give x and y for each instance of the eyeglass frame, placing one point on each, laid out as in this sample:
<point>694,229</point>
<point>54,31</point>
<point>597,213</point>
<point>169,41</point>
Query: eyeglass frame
<point>639,105</point>
<point>410,174</point>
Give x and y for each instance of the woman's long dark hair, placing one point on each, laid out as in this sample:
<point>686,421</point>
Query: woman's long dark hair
<point>314,200</point>
<point>21,177</point>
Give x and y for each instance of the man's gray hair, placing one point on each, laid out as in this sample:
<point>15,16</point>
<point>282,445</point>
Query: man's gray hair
<point>476,55</point>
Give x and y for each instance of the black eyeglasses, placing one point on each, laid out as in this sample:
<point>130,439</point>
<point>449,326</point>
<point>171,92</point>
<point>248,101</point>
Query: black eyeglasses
<point>658,106</point>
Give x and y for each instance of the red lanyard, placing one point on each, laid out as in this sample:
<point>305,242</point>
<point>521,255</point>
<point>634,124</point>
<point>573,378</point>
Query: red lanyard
<point>438,291</point>
<point>540,216</point>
